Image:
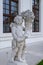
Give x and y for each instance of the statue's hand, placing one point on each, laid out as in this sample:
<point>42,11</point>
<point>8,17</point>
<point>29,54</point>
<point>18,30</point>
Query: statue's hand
<point>26,36</point>
<point>20,39</point>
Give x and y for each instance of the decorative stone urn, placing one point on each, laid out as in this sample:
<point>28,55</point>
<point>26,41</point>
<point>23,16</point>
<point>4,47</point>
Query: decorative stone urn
<point>28,16</point>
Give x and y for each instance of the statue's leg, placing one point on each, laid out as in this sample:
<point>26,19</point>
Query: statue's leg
<point>23,52</point>
<point>14,49</point>
<point>19,52</point>
<point>14,52</point>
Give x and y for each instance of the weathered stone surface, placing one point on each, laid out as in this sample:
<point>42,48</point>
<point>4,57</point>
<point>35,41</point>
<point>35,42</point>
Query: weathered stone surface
<point>18,42</point>
<point>28,16</point>
<point>19,35</point>
<point>16,63</point>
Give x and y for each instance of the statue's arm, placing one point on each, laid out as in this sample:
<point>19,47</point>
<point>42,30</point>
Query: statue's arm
<point>14,33</point>
<point>23,25</point>
<point>13,30</point>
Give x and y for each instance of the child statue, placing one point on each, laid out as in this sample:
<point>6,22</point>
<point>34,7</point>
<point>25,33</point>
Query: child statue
<point>18,42</point>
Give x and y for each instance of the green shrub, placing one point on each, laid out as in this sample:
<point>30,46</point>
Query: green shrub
<point>40,63</point>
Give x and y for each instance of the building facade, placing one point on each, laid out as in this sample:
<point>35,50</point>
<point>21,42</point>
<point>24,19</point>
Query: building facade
<point>9,9</point>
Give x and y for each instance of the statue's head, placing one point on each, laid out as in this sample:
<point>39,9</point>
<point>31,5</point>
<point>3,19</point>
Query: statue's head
<point>18,19</point>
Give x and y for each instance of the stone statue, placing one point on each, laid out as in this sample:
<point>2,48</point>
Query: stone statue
<point>28,16</point>
<point>20,34</point>
<point>18,43</point>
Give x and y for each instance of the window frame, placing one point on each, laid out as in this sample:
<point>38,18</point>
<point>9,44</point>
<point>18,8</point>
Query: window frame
<point>9,15</point>
<point>37,34</point>
<point>35,20</point>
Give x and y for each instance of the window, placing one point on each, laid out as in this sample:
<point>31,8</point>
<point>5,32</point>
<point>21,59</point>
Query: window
<point>35,5</point>
<point>10,10</point>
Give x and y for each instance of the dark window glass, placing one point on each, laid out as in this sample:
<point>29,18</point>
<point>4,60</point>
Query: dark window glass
<point>13,8</point>
<point>7,6</point>
<point>7,11</point>
<point>13,3</point>
<point>10,9</point>
<point>7,1</point>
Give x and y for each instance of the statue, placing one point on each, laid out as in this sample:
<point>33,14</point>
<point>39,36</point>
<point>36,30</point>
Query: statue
<point>20,34</point>
<point>18,43</point>
<point>28,16</point>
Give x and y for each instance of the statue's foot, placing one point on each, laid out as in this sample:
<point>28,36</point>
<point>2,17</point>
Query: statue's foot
<point>19,59</point>
<point>24,60</point>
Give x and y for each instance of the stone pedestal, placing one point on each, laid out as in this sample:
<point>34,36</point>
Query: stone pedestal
<point>20,63</point>
<point>17,63</point>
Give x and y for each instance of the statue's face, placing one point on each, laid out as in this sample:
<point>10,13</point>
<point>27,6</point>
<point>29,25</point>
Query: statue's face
<point>18,19</point>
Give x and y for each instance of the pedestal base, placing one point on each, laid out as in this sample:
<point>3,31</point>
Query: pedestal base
<point>20,63</point>
<point>17,63</point>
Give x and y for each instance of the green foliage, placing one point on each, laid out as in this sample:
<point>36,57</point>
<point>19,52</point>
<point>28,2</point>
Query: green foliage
<point>40,63</point>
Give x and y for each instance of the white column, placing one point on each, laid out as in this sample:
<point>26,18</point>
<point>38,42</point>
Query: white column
<point>25,5</point>
<point>41,16</point>
<point>1,17</point>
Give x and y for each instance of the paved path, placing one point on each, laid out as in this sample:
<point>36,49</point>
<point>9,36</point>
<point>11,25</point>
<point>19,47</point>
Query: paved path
<point>33,56</point>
